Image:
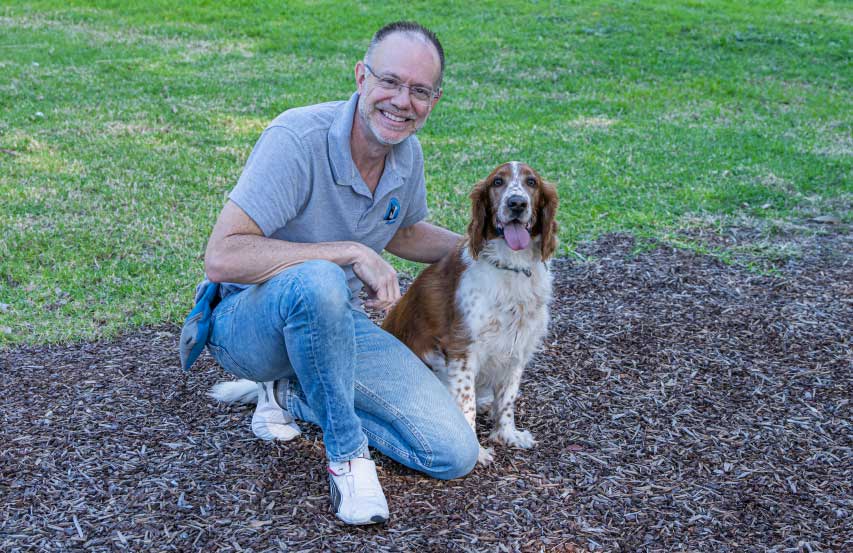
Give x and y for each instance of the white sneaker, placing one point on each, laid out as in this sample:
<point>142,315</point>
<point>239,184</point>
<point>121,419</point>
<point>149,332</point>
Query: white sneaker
<point>271,421</point>
<point>355,492</point>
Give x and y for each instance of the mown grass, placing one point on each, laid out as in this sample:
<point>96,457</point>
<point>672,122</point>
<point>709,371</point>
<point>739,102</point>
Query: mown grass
<point>123,127</point>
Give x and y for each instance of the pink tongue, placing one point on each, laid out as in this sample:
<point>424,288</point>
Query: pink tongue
<point>516,236</point>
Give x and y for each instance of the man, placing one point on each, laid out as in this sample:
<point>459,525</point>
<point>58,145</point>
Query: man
<point>325,190</point>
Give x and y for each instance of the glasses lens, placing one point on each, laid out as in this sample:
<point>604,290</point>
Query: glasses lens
<point>390,83</point>
<point>421,94</point>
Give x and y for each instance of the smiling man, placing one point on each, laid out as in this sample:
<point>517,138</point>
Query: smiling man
<point>325,190</point>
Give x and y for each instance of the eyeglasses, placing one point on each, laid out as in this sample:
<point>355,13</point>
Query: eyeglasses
<point>419,93</point>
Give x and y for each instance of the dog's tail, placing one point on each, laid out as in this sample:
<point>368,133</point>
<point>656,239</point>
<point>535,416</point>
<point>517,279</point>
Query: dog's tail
<point>239,391</point>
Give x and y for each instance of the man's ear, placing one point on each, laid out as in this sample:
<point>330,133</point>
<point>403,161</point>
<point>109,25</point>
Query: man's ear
<point>437,98</point>
<point>360,75</point>
<point>480,214</point>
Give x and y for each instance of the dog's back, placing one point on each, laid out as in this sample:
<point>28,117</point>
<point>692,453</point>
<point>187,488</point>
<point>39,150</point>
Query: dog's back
<point>426,318</point>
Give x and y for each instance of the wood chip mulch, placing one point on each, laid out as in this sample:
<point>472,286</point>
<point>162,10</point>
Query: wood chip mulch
<point>680,404</point>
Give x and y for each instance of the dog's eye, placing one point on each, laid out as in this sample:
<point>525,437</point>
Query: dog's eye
<point>531,182</point>
<point>498,182</point>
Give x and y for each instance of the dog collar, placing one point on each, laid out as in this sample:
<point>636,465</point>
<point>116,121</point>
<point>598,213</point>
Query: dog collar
<point>525,271</point>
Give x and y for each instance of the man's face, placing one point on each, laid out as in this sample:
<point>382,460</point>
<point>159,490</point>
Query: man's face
<point>392,115</point>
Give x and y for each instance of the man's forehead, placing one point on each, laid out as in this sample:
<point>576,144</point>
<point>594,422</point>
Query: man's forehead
<point>406,50</point>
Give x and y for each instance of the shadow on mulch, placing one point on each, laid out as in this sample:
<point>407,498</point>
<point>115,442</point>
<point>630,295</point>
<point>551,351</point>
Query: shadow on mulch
<point>679,404</point>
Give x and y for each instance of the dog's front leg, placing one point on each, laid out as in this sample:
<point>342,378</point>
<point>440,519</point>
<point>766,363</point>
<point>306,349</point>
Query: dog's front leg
<point>461,381</point>
<point>503,412</point>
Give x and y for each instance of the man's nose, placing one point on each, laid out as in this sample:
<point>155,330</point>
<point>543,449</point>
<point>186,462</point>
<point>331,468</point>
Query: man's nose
<point>516,203</point>
<point>403,97</point>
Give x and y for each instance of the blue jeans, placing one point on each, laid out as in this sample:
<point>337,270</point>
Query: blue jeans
<point>340,371</point>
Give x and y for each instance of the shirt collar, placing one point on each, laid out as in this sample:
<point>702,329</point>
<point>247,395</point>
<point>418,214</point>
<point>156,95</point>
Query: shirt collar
<point>399,160</point>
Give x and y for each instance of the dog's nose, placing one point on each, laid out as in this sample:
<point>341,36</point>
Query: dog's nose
<point>516,203</point>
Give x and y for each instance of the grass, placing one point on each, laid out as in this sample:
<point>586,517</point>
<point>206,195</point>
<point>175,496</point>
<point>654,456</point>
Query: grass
<point>123,127</point>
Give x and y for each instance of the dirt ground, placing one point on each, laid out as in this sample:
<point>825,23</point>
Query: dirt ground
<point>681,404</point>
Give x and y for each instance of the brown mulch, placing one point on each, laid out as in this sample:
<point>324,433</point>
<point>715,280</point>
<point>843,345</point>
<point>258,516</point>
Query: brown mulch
<point>680,404</point>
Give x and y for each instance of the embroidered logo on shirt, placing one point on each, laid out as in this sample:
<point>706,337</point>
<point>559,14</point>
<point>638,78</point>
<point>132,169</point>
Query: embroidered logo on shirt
<point>392,212</point>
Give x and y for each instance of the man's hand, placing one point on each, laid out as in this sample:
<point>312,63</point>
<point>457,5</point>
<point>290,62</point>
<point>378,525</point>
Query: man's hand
<point>379,277</point>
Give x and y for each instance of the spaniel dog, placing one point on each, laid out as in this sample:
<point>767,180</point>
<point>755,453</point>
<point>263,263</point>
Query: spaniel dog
<point>477,316</point>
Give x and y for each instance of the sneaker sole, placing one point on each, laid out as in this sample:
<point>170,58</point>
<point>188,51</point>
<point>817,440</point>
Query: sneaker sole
<point>376,519</point>
<point>270,437</point>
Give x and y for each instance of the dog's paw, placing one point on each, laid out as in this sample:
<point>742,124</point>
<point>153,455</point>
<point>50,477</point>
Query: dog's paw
<point>514,437</point>
<point>486,456</point>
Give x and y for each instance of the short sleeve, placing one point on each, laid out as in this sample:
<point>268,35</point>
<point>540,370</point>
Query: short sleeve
<point>275,183</point>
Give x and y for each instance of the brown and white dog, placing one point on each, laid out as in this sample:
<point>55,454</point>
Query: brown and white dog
<point>477,316</point>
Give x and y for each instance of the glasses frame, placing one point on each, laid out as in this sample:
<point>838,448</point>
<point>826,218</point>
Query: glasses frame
<point>381,81</point>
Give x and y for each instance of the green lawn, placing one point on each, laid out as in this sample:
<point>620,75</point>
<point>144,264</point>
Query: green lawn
<point>122,128</point>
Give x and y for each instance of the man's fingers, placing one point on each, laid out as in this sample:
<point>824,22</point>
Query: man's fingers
<point>392,291</point>
<point>381,282</point>
<point>377,305</point>
<point>387,295</point>
<point>389,289</point>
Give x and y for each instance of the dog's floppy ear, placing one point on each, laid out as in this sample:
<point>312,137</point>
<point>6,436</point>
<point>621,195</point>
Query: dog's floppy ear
<point>480,214</point>
<point>547,218</point>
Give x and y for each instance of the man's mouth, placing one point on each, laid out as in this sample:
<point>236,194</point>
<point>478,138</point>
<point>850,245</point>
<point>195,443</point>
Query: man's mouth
<point>392,117</point>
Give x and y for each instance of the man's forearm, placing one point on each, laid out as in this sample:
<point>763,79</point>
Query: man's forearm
<point>251,259</point>
<point>423,242</point>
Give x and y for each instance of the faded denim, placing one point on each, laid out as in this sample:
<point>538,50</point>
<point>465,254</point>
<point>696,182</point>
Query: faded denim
<point>342,372</point>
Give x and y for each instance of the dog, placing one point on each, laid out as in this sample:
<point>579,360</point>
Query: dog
<point>477,316</point>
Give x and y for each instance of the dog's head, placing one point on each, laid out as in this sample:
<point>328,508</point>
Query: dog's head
<point>515,204</point>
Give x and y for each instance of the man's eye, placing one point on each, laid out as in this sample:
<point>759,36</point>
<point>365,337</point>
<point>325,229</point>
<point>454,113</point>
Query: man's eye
<point>389,82</point>
<point>420,91</point>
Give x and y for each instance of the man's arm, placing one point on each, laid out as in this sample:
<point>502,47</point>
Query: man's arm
<point>239,252</point>
<point>423,242</point>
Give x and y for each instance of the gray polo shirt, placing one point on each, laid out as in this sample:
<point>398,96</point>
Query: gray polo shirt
<point>300,184</point>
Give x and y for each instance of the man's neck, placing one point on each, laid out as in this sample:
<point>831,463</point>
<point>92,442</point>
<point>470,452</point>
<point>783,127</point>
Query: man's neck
<point>367,154</point>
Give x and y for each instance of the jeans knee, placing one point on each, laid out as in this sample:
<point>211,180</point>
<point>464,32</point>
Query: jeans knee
<point>456,459</point>
<point>323,286</point>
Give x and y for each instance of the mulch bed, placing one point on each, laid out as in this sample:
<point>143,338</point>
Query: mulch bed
<point>680,404</point>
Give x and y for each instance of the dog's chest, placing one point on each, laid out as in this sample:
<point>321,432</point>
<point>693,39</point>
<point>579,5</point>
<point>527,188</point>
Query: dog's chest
<point>505,312</point>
